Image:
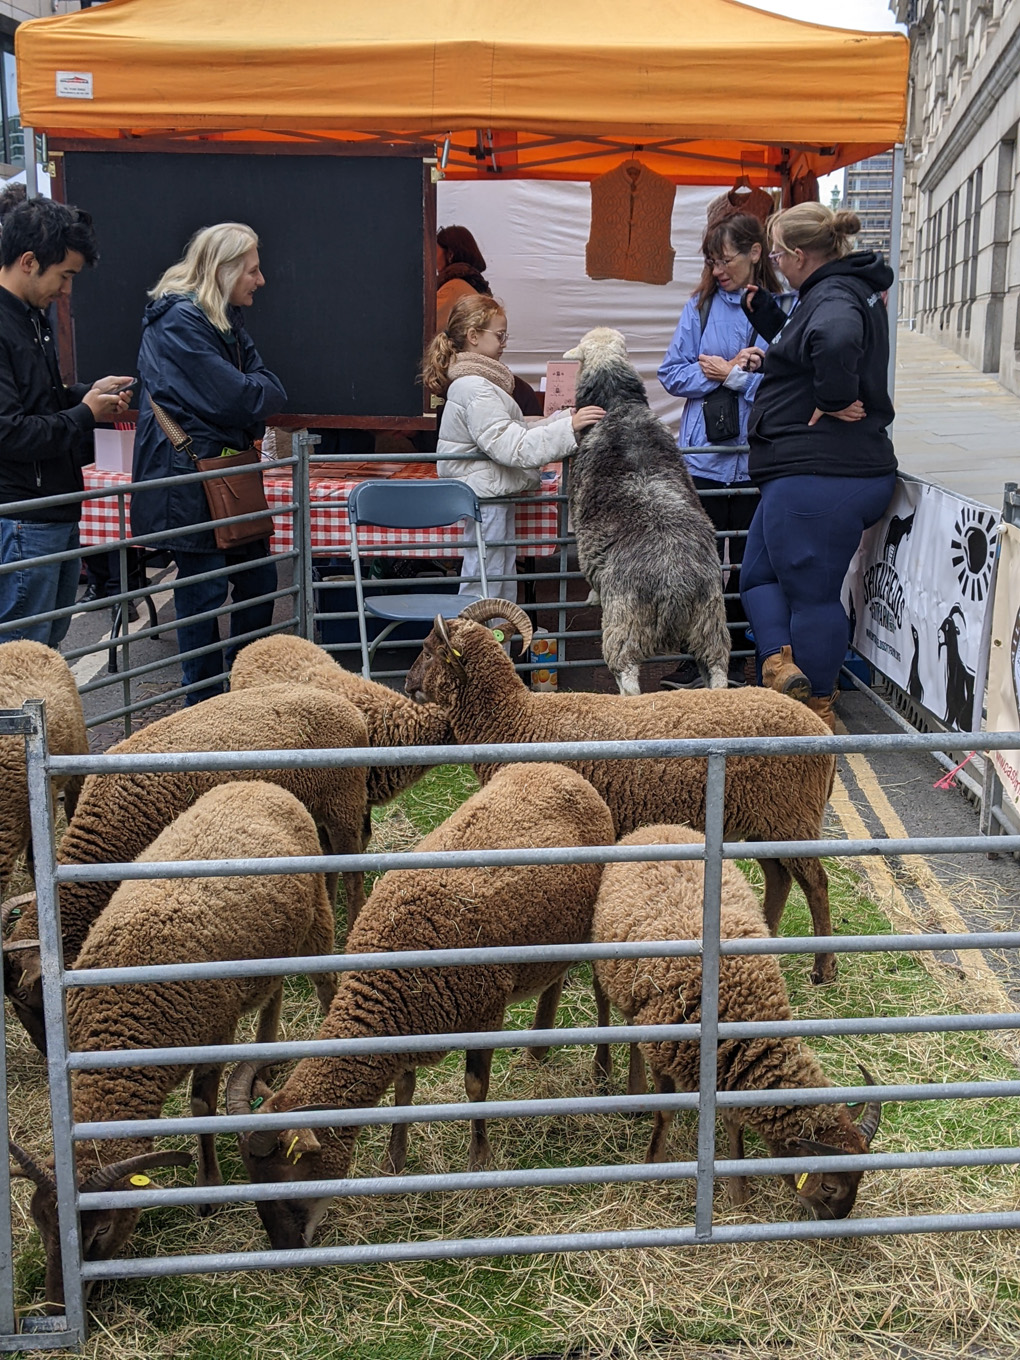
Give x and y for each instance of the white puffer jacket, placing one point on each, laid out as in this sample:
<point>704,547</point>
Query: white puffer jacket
<point>479,418</point>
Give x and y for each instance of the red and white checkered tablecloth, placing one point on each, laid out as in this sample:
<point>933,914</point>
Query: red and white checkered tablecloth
<point>331,533</point>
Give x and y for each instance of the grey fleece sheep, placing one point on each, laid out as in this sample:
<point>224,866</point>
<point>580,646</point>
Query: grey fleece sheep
<point>181,920</point>
<point>663,900</point>
<point>28,670</point>
<point>524,805</point>
<point>391,717</point>
<point>644,542</point>
<point>119,814</point>
<point>465,672</point>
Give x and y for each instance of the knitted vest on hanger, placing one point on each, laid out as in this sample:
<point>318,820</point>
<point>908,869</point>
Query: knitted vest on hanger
<point>631,212</point>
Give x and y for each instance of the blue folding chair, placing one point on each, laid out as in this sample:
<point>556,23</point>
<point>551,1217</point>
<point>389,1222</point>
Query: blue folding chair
<point>409,505</point>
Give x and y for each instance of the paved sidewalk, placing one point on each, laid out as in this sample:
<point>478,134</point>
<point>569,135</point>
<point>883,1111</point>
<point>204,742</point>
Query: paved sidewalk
<point>954,425</point>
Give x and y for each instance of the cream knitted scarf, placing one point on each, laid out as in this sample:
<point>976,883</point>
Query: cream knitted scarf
<point>480,366</point>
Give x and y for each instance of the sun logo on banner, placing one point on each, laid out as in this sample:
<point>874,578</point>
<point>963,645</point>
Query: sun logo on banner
<point>972,551</point>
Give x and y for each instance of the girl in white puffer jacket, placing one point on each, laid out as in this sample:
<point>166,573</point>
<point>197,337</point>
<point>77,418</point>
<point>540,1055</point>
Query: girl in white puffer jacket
<point>504,452</point>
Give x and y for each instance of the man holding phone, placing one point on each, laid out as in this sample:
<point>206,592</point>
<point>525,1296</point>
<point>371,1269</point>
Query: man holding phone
<point>45,427</point>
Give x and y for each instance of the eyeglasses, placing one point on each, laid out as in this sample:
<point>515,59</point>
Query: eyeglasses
<point>724,261</point>
<point>501,336</point>
<point>776,255</point>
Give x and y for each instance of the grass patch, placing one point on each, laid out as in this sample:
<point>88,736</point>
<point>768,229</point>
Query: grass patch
<point>934,1295</point>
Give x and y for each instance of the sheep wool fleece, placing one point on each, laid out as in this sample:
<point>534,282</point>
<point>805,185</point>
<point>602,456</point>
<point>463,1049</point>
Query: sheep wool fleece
<point>30,670</point>
<point>391,717</point>
<point>194,921</point>
<point>120,814</point>
<point>662,900</point>
<point>522,806</point>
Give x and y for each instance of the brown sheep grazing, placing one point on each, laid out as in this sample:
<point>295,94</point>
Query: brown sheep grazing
<point>522,806</point>
<point>181,920</point>
<point>28,670</point>
<point>120,814</point>
<point>663,900</point>
<point>392,718</point>
<point>465,672</point>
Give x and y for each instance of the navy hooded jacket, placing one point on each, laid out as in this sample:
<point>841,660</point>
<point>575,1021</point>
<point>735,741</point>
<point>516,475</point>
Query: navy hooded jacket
<point>219,392</point>
<point>833,351</point>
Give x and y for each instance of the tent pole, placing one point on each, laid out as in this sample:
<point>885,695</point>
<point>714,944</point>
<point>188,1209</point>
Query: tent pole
<point>894,260</point>
<point>31,171</point>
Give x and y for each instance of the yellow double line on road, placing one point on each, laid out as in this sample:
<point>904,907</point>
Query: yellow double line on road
<point>985,993</point>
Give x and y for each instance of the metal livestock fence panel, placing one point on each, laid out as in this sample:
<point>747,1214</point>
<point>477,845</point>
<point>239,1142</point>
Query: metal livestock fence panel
<point>704,1169</point>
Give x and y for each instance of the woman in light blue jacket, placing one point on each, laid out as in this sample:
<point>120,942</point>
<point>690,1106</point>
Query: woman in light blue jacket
<point>707,355</point>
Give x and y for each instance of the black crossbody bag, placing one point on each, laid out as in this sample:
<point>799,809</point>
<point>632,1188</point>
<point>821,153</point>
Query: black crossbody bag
<point>721,408</point>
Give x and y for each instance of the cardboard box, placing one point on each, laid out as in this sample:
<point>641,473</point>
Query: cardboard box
<point>114,449</point>
<point>560,380</point>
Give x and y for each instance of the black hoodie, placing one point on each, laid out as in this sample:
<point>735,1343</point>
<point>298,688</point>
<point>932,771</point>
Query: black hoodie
<point>832,351</point>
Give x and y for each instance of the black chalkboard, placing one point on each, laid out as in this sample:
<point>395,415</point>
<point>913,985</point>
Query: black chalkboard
<point>341,240</point>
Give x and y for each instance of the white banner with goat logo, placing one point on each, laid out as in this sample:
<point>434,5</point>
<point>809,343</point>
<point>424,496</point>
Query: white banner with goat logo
<point>1004,660</point>
<point>916,594</point>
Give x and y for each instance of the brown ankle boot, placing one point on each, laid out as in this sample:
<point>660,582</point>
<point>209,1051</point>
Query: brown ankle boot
<point>780,672</point>
<point>822,705</point>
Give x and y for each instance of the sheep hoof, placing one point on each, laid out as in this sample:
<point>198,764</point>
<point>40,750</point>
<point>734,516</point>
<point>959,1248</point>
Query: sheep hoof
<point>825,970</point>
<point>738,1192</point>
<point>207,1210</point>
<point>536,1055</point>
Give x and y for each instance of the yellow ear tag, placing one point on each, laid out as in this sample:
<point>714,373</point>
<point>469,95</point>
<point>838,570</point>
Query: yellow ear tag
<point>140,1181</point>
<point>802,1180</point>
<point>293,1144</point>
<point>499,635</point>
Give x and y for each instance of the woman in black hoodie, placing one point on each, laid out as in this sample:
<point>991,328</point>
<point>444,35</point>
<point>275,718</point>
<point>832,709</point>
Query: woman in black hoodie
<point>820,450</point>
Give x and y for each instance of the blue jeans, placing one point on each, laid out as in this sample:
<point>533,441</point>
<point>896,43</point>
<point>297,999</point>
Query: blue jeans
<point>36,590</point>
<point>205,596</point>
<point>801,541</point>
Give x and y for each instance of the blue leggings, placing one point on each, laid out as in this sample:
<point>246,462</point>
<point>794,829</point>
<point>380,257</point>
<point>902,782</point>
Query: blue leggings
<point>803,535</point>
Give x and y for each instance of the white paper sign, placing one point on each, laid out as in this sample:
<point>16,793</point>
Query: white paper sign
<point>917,592</point>
<point>74,84</point>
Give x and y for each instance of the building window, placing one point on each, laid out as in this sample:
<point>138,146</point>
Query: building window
<point>13,148</point>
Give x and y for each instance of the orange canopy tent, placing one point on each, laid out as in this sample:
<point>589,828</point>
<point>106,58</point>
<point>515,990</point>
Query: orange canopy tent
<point>705,90</point>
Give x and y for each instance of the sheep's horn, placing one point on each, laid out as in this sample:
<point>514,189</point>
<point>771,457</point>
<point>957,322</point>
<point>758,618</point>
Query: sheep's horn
<point>108,1176</point>
<point>37,1174</point>
<point>484,610</point>
<point>18,946</point>
<point>238,1098</point>
<point>11,905</point>
<point>240,1084</point>
<point>872,1112</point>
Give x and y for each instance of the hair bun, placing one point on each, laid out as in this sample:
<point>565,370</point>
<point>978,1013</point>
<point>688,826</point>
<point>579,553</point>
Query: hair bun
<point>845,222</point>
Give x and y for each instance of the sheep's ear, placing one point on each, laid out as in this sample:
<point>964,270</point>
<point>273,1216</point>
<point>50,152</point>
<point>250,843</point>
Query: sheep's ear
<point>574,353</point>
<point>296,1142</point>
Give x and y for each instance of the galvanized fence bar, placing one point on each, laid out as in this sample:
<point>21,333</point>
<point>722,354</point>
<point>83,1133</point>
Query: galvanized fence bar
<point>715,812</point>
<point>58,1071</point>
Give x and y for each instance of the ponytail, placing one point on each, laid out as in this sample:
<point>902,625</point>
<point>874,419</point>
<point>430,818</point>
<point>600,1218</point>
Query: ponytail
<point>470,313</point>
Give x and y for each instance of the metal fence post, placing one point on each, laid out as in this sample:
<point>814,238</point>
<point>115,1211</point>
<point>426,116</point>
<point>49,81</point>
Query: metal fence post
<point>40,804</point>
<point>302,489</point>
<point>715,788</point>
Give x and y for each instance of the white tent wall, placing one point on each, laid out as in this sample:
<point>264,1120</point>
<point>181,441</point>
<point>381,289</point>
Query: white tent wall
<point>533,235</point>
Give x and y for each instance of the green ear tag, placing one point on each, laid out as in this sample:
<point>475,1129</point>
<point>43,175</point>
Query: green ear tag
<point>254,1104</point>
<point>499,635</point>
<point>15,914</point>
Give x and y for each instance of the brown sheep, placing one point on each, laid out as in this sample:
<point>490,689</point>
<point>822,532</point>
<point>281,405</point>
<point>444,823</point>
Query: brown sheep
<point>181,920</point>
<point>120,814</point>
<point>465,672</point>
<point>392,718</point>
<point>522,806</point>
<point>663,900</point>
<point>29,670</point>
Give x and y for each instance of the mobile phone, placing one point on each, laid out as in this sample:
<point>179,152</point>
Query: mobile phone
<point>124,387</point>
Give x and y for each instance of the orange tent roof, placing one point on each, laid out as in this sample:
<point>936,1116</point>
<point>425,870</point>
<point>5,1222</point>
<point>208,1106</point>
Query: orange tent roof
<point>547,88</point>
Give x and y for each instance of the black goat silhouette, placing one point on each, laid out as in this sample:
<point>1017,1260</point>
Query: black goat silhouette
<point>894,535</point>
<point>959,680</point>
<point>914,687</point>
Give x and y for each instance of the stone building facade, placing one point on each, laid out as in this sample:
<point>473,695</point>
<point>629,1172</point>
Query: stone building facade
<point>960,265</point>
